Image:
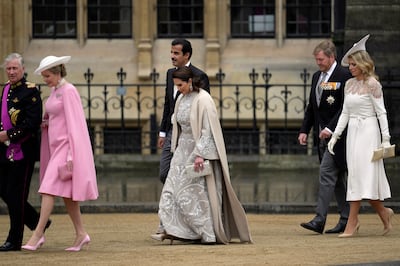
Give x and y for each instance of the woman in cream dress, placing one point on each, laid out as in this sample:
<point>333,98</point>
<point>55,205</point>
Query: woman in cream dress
<point>365,115</point>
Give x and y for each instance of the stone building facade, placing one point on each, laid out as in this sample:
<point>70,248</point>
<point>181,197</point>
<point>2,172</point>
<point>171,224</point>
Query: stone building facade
<point>235,36</point>
<point>284,56</point>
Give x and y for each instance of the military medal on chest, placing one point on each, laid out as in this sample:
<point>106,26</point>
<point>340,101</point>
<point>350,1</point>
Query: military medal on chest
<point>330,99</point>
<point>330,86</point>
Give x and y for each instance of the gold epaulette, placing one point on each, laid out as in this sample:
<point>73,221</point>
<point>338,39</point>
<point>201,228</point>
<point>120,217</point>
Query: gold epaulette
<point>30,85</point>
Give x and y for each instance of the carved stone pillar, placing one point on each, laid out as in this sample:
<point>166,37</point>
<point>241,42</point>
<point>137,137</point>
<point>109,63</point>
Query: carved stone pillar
<point>143,36</point>
<point>212,57</point>
<point>6,34</point>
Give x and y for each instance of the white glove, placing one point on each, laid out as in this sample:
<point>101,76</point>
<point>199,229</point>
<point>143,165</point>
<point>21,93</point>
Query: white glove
<point>332,143</point>
<point>385,142</point>
<point>383,124</point>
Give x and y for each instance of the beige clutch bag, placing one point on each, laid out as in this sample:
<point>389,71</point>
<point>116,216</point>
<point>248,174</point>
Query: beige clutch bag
<point>192,173</point>
<point>383,153</point>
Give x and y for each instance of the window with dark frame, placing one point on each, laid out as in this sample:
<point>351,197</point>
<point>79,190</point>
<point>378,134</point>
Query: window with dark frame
<point>252,19</point>
<point>122,141</point>
<point>242,140</point>
<point>284,141</point>
<point>54,18</point>
<point>109,19</point>
<point>308,18</point>
<point>178,18</point>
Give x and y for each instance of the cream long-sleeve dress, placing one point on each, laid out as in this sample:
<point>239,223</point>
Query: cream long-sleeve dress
<point>363,108</point>
<point>202,208</point>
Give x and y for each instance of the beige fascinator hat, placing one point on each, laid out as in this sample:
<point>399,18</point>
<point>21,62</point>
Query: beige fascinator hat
<point>51,61</point>
<point>358,46</point>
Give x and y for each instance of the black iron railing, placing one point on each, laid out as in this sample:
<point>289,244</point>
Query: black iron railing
<point>257,117</point>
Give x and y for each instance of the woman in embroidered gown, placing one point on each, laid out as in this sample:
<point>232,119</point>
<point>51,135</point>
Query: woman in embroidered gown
<point>363,108</point>
<point>205,209</point>
<point>65,142</point>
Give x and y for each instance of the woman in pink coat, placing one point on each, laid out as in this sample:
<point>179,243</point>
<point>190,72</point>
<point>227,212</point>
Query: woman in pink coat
<point>66,159</point>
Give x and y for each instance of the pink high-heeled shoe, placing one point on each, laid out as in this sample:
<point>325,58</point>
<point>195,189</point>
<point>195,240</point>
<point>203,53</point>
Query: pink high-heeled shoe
<point>85,241</point>
<point>35,247</point>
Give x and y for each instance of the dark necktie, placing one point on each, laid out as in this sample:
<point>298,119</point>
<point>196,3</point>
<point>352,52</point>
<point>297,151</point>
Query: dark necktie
<point>318,88</point>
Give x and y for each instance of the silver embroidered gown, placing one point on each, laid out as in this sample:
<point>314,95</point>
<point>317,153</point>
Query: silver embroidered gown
<point>184,207</point>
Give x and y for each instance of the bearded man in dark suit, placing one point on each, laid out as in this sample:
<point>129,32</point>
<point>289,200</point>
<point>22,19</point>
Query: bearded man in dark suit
<point>322,114</point>
<point>181,52</point>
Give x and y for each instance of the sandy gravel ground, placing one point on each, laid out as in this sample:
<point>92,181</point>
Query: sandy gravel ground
<point>124,239</point>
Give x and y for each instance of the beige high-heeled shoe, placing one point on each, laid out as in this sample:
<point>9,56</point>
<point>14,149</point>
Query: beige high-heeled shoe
<point>389,228</point>
<point>352,233</point>
<point>161,237</point>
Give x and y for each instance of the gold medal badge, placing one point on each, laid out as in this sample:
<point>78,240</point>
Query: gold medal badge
<point>14,117</point>
<point>329,86</point>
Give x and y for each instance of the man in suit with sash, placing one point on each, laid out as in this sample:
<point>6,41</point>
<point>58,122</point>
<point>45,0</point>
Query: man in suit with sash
<point>322,114</point>
<point>21,116</point>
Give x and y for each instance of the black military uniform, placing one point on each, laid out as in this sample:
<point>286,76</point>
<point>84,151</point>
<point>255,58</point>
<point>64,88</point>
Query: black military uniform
<point>24,107</point>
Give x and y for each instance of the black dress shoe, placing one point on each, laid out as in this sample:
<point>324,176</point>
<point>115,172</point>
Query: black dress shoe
<point>317,227</point>
<point>8,246</point>
<point>47,225</point>
<point>339,228</point>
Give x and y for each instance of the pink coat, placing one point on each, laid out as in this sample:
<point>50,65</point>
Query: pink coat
<point>67,138</point>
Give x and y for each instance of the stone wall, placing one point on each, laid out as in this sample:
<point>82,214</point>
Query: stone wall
<point>381,19</point>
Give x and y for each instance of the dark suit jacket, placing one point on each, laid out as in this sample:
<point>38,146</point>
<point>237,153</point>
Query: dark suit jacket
<point>169,102</point>
<point>328,112</point>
